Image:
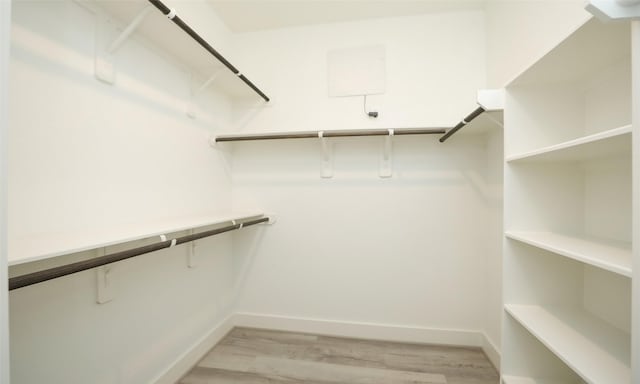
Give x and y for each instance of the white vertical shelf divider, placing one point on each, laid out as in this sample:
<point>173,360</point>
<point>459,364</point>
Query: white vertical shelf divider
<point>635,95</point>
<point>5,24</point>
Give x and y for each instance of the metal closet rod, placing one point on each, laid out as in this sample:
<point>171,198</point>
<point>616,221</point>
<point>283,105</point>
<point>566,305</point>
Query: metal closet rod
<point>68,269</point>
<point>461,124</point>
<point>185,27</point>
<point>331,133</point>
<point>446,132</point>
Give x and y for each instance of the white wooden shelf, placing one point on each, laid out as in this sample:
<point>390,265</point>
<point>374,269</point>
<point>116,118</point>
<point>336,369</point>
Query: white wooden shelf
<point>612,142</point>
<point>33,248</point>
<point>157,29</point>
<point>611,256</point>
<point>596,351</point>
<point>594,46</point>
<point>528,380</point>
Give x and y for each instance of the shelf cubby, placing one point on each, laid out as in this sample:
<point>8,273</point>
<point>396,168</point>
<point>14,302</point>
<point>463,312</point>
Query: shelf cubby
<point>579,312</point>
<point>595,350</point>
<point>527,361</point>
<point>579,89</point>
<point>582,199</point>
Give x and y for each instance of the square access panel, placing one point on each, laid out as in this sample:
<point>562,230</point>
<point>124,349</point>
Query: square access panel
<point>356,71</point>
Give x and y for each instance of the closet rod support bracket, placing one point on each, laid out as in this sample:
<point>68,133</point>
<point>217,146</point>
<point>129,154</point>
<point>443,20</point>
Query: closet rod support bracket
<point>386,169</point>
<point>326,171</point>
<point>191,253</point>
<point>272,218</point>
<point>104,281</point>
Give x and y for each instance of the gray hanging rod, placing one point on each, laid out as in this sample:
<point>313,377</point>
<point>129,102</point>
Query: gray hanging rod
<point>330,133</point>
<point>68,269</point>
<point>445,132</point>
<point>461,124</point>
<point>171,14</point>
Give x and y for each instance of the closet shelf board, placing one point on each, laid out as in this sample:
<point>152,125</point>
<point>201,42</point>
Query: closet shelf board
<point>528,380</point>
<point>40,247</point>
<point>591,48</point>
<point>614,142</point>
<point>169,39</point>
<point>611,256</point>
<point>598,352</point>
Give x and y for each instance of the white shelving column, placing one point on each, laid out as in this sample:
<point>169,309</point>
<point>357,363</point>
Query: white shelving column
<point>569,228</point>
<point>5,24</point>
<point>622,11</point>
<point>635,59</point>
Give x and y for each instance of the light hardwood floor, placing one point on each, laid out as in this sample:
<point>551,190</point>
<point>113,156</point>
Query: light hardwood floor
<point>251,356</point>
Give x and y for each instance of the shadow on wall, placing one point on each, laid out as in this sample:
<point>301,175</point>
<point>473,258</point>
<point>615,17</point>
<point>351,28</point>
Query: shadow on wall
<point>246,245</point>
<point>150,87</point>
<point>416,160</point>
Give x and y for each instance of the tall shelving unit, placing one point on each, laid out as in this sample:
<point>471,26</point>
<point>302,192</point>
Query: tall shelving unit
<point>568,202</point>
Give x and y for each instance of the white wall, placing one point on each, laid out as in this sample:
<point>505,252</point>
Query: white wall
<point>85,155</point>
<point>520,32</point>
<point>434,66</point>
<point>409,252</point>
<point>493,263</point>
<point>5,23</point>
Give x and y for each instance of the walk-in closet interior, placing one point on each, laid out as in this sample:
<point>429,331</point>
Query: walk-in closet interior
<point>323,192</point>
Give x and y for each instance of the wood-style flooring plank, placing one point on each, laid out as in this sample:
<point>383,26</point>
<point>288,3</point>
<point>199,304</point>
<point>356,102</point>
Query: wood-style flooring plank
<point>199,375</point>
<point>263,356</point>
<point>337,373</point>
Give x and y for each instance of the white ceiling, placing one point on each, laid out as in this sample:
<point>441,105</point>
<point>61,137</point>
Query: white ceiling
<point>252,15</point>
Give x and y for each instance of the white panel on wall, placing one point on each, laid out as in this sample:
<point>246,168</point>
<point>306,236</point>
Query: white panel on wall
<point>356,71</point>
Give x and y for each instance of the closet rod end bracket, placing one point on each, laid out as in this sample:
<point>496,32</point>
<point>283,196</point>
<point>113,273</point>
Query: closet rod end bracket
<point>272,218</point>
<point>213,143</point>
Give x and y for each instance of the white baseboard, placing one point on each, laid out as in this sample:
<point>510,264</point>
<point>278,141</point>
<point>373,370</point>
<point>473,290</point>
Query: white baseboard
<point>357,330</point>
<point>492,352</point>
<point>360,330</point>
<point>187,360</point>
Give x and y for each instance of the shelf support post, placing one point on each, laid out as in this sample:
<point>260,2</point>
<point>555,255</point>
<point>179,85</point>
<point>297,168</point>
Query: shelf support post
<point>327,157</point>
<point>104,282</point>
<point>386,169</point>
<point>191,253</point>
